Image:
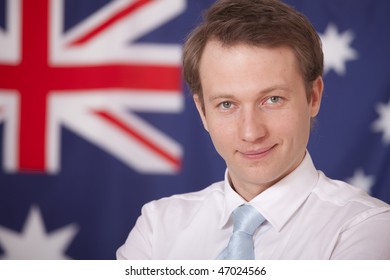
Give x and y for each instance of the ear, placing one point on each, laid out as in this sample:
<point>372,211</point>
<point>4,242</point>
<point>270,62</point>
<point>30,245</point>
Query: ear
<point>316,96</point>
<point>200,107</point>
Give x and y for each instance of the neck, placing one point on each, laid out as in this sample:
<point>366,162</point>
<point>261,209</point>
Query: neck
<point>247,192</point>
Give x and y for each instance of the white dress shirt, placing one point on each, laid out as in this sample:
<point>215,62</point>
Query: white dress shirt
<point>308,216</point>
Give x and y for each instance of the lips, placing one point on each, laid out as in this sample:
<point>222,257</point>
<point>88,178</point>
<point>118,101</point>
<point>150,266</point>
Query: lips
<point>257,153</point>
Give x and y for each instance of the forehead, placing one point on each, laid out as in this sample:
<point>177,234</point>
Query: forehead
<point>243,62</point>
<point>215,51</point>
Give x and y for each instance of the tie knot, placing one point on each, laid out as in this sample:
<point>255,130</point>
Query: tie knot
<point>246,219</point>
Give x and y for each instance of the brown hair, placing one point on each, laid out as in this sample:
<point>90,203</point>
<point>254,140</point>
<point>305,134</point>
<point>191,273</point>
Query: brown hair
<point>264,23</point>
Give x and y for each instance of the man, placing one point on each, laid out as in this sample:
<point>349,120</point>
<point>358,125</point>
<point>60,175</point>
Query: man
<point>255,70</point>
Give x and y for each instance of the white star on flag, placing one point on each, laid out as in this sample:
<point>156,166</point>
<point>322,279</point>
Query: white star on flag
<point>382,124</point>
<point>337,49</point>
<point>33,242</point>
<point>361,180</point>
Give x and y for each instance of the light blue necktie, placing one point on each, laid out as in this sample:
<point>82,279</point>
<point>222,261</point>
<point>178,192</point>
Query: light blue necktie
<point>246,219</point>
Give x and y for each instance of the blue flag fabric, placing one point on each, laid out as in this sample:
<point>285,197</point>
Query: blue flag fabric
<point>95,119</point>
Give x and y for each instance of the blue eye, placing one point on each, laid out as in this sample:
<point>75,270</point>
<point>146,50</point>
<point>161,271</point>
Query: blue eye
<point>274,99</point>
<point>226,105</point>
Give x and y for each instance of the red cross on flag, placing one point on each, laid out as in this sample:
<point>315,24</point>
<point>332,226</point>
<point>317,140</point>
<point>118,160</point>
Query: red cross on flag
<point>89,79</point>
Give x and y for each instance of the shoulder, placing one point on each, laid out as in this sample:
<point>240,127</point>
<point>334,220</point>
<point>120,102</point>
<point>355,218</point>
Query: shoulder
<point>360,221</point>
<point>186,201</point>
<point>341,193</point>
<point>349,201</point>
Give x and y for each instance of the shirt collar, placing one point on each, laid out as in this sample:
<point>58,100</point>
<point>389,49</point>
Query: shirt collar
<point>232,200</point>
<point>278,203</point>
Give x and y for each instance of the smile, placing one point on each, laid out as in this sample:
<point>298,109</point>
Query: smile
<point>257,153</point>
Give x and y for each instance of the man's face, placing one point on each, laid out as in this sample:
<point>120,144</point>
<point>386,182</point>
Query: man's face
<point>256,111</point>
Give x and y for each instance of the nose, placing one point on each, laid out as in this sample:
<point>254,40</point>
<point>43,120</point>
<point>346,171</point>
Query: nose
<point>252,125</point>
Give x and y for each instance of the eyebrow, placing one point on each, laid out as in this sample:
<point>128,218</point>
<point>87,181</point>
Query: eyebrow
<point>221,96</point>
<point>260,93</point>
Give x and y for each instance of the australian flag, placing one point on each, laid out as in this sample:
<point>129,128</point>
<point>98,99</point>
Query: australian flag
<point>95,119</point>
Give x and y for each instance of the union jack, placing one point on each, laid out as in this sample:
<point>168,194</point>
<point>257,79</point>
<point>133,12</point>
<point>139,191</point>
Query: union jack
<point>89,79</point>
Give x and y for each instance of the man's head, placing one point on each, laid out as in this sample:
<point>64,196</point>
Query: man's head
<point>263,23</point>
<point>254,68</point>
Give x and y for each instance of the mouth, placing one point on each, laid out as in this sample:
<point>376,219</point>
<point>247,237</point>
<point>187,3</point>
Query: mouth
<point>257,153</point>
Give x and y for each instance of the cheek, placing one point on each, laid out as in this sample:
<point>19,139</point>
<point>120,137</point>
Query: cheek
<point>222,134</point>
<point>291,124</point>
